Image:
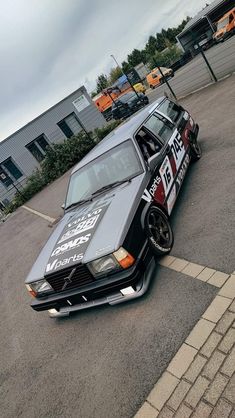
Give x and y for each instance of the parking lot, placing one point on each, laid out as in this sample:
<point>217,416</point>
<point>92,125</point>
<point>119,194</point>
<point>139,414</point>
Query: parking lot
<point>103,362</point>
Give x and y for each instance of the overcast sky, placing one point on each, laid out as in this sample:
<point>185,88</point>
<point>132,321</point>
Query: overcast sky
<point>49,48</point>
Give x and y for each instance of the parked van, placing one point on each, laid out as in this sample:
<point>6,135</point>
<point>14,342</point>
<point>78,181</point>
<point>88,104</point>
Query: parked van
<point>155,77</point>
<point>225,26</point>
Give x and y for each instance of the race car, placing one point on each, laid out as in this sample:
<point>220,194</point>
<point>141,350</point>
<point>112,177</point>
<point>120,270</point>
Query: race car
<point>116,216</point>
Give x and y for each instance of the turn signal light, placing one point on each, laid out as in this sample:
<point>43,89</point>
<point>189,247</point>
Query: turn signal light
<point>124,258</point>
<point>31,291</point>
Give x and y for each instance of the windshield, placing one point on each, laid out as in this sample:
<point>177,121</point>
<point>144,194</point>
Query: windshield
<point>117,164</point>
<point>127,97</point>
<point>222,23</point>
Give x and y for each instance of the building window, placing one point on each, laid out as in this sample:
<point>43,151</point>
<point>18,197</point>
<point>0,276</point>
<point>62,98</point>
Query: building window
<point>9,172</point>
<point>38,147</point>
<point>70,125</point>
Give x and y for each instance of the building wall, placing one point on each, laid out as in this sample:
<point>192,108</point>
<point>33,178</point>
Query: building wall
<point>199,25</point>
<point>14,146</point>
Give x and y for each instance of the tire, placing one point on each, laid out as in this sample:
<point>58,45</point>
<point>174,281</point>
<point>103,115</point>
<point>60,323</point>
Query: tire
<point>159,232</point>
<point>152,87</point>
<point>196,152</point>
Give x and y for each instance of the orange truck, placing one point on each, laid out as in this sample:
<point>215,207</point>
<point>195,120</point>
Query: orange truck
<point>104,101</point>
<point>225,27</point>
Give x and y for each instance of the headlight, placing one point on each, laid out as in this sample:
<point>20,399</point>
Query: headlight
<point>103,265</point>
<point>119,259</point>
<point>41,286</point>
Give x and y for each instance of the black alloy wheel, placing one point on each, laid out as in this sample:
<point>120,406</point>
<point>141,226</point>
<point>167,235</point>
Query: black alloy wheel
<point>159,232</point>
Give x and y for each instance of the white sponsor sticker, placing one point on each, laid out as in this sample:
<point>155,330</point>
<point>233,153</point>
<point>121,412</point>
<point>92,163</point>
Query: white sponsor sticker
<point>177,148</point>
<point>84,217</point>
<point>166,175</point>
<point>182,171</point>
<point>60,263</point>
<point>71,245</point>
<point>80,228</point>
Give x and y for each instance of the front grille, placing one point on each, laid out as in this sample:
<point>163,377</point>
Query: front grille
<point>81,277</point>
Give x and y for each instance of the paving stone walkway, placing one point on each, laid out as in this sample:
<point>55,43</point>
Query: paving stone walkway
<point>200,380</point>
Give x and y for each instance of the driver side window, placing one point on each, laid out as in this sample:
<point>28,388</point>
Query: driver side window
<point>148,143</point>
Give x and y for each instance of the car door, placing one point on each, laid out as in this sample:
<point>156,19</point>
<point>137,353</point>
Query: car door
<point>164,184</point>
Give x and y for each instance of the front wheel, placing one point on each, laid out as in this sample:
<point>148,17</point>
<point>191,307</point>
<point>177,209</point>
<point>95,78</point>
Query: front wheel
<point>159,232</point>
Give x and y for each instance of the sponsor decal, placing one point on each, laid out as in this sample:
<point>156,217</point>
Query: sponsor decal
<point>182,171</point>
<point>177,147</point>
<point>166,175</point>
<point>84,217</point>
<point>67,246</point>
<point>76,235</point>
<point>149,194</point>
<point>171,199</point>
<point>185,115</point>
<point>80,228</point>
<point>55,264</point>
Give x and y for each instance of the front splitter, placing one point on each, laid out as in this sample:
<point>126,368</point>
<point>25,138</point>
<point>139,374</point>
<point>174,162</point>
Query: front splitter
<point>112,299</point>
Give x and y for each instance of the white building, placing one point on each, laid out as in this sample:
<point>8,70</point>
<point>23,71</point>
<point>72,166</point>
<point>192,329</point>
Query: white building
<point>22,152</point>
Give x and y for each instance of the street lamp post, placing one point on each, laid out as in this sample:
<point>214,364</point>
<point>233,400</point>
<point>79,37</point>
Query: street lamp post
<point>128,79</point>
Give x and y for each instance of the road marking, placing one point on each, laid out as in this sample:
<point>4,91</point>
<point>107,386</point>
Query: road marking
<point>40,214</point>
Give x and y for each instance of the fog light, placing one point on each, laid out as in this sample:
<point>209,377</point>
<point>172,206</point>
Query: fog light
<point>127,291</point>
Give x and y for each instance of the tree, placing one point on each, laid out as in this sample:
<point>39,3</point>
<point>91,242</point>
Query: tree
<point>101,83</point>
<point>114,74</point>
<point>171,55</point>
<point>93,94</point>
<point>135,58</point>
<point>156,60</point>
<point>126,67</point>
<point>151,46</point>
<point>160,42</point>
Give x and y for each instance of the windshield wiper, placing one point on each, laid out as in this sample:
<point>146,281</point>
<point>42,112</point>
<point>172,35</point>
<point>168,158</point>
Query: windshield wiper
<point>80,202</point>
<point>111,185</point>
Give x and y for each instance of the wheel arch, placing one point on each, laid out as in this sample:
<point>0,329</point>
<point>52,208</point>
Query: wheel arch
<point>146,208</point>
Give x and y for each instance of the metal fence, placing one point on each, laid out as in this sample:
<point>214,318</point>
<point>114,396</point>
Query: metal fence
<point>196,73</point>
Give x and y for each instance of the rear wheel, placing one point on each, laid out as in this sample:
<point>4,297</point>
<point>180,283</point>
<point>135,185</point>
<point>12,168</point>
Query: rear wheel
<point>196,151</point>
<point>151,86</point>
<point>159,232</point>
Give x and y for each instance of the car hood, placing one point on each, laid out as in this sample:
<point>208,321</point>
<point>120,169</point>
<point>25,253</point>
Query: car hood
<point>90,231</point>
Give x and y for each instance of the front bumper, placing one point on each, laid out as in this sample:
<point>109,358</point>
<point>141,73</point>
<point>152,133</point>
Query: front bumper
<point>104,291</point>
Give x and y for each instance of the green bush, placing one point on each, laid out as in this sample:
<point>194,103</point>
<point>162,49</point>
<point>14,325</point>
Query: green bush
<point>102,132</point>
<point>59,158</point>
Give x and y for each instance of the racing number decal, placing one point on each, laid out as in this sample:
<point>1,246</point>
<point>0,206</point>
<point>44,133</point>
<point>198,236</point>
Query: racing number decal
<point>166,174</point>
<point>177,147</point>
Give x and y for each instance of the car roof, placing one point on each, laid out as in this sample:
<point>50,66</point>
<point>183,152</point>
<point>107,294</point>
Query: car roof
<point>120,134</point>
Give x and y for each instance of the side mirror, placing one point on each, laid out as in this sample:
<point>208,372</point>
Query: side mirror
<point>154,161</point>
<point>63,206</point>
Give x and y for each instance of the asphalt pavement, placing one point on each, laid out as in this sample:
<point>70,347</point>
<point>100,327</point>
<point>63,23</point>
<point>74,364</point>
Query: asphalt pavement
<point>103,362</point>
<point>97,363</point>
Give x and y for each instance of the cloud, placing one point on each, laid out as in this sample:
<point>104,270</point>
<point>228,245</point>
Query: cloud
<point>50,48</point>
